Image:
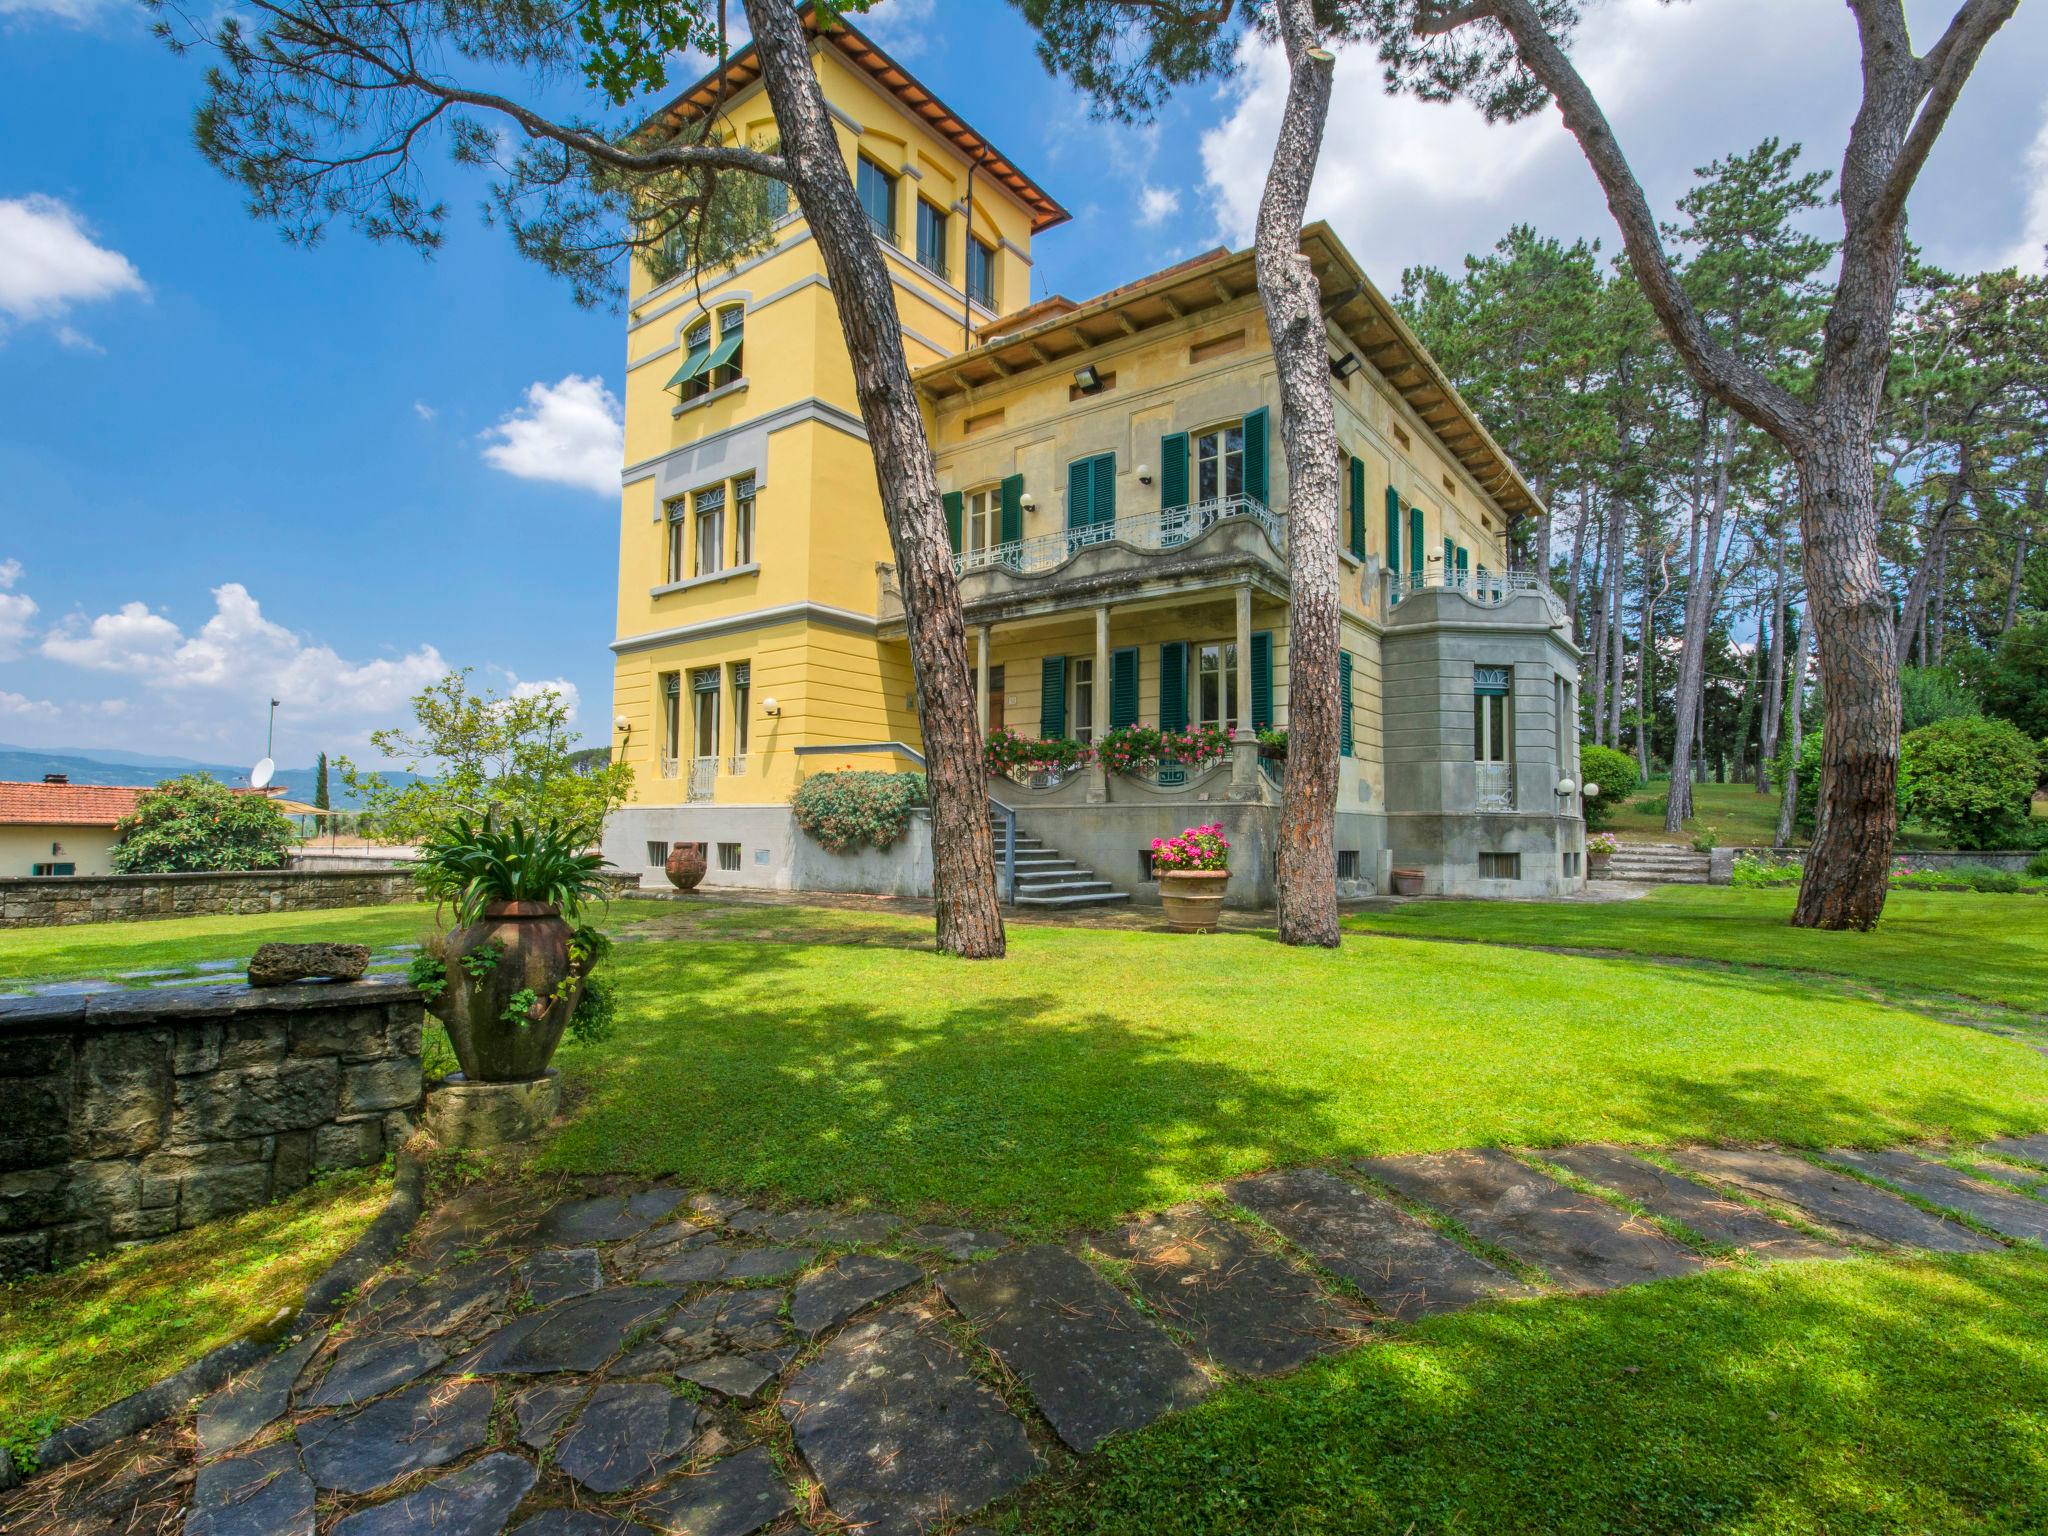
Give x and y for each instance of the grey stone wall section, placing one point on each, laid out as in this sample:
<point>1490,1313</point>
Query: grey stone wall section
<point>135,1114</point>
<point>55,900</point>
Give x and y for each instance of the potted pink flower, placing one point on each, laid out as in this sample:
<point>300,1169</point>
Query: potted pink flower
<point>1193,869</point>
<point>1601,848</point>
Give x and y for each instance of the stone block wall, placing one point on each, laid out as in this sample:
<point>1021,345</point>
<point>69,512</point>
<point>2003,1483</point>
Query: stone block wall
<point>56,899</point>
<point>134,1114</point>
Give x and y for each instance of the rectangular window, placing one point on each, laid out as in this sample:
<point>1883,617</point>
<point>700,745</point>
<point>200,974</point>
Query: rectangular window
<point>742,703</point>
<point>53,869</point>
<point>981,273</point>
<point>671,723</point>
<point>1347,863</point>
<point>1219,462</point>
<point>877,189</point>
<point>710,507</point>
<point>1216,685</point>
<point>1081,712</point>
<point>995,700</point>
<point>726,365</point>
<point>1571,865</point>
<point>743,520</point>
<point>1216,346</point>
<point>694,375</point>
<point>729,857</point>
<point>678,538</point>
<point>931,237</point>
<point>704,715</point>
<point>1561,703</point>
<point>984,518</point>
<point>1492,720</point>
<point>1500,866</point>
<point>657,854</point>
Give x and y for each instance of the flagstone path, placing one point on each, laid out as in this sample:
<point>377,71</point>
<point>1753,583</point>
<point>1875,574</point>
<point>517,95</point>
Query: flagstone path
<point>652,1361</point>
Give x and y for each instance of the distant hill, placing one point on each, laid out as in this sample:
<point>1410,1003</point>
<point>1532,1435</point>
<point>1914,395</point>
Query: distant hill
<point>94,765</point>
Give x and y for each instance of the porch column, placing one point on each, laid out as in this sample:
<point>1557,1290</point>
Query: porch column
<point>1244,751</point>
<point>981,677</point>
<point>1098,776</point>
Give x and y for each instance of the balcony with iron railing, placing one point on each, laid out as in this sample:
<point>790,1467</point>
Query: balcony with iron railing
<point>703,778</point>
<point>1480,588</point>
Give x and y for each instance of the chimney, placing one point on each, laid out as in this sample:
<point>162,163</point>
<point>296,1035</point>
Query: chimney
<point>56,778</point>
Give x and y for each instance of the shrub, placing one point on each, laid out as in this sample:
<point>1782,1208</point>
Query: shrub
<point>1615,773</point>
<point>1928,695</point>
<point>2037,867</point>
<point>197,823</point>
<point>1196,746</point>
<point>469,865</point>
<point>1752,869</point>
<point>1273,743</point>
<point>1959,877</point>
<point>1969,778</point>
<point>1018,757</point>
<point>1129,749</point>
<point>854,808</point>
<point>1197,848</point>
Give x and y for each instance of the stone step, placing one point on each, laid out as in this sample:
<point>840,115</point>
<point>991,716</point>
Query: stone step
<point>1404,1267</point>
<point>1062,869</point>
<point>1095,1364</point>
<point>2002,1210</point>
<point>1578,1241</point>
<point>1867,1215</point>
<point>1103,898</point>
<point>1664,1193</point>
<point>1066,888</point>
<point>1247,1310</point>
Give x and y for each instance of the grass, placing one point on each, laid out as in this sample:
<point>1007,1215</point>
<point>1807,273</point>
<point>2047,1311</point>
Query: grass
<point>1737,814</point>
<point>1097,1072</point>
<point>107,949</point>
<point>75,1341</point>
<point>1989,947</point>
<point>1851,1397</point>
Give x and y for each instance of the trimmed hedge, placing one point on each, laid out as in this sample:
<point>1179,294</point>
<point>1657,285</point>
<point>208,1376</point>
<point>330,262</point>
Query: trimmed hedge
<point>854,809</point>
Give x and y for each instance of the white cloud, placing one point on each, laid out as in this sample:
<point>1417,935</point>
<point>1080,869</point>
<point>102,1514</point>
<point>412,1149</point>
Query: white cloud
<point>49,262</point>
<point>901,26</point>
<point>240,654</point>
<point>2028,253</point>
<point>1157,204</point>
<point>76,12</point>
<point>561,687</point>
<point>568,433</point>
<point>16,704</point>
<point>17,611</point>
<point>424,411</point>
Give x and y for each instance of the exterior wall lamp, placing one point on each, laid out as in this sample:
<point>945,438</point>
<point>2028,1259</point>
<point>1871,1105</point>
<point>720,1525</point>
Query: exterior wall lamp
<point>770,708</point>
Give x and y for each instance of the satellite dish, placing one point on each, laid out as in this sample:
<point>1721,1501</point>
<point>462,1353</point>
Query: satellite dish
<point>261,775</point>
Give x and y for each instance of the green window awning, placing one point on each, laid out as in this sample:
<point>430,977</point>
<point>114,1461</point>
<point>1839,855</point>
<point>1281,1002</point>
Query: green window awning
<point>692,366</point>
<point>722,354</point>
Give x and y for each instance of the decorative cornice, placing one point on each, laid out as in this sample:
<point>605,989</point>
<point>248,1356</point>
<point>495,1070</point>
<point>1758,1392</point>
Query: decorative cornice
<point>739,623</point>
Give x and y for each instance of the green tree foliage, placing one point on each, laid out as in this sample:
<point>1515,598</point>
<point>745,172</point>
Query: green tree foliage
<point>1970,778</point>
<point>1615,773</point>
<point>1931,694</point>
<point>2016,684</point>
<point>475,754</point>
<point>196,823</point>
<point>320,785</point>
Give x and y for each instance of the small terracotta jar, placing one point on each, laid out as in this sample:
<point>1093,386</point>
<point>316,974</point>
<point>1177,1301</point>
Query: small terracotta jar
<point>685,865</point>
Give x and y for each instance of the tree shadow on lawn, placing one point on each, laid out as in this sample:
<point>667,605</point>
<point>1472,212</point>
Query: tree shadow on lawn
<point>1856,1395</point>
<point>1022,1110</point>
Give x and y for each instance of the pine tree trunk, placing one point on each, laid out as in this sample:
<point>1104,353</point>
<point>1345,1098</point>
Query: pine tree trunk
<point>1689,698</point>
<point>1774,695</point>
<point>1850,860</point>
<point>1795,703</point>
<point>963,863</point>
<point>1752,674</point>
<point>2019,575</point>
<point>1617,646</point>
<point>1646,670</point>
<point>1597,650</point>
<point>1307,852</point>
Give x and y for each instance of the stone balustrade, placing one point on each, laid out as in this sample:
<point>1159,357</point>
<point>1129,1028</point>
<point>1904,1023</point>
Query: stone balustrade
<point>47,901</point>
<point>133,1114</point>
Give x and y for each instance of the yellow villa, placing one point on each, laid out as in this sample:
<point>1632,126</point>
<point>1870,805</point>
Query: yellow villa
<point>1117,493</point>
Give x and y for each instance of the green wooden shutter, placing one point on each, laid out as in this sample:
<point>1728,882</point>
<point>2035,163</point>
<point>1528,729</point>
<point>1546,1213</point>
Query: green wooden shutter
<point>1450,558</point>
<point>1012,529</point>
<point>1343,703</point>
<point>1262,679</point>
<point>1255,433</point>
<point>1463,556</point>
<point>1173,471</point>
<point>1123,688</point>
<point>1415,542</point>
<point>1052,696</point>
<point>1104,500</point>
<point>952,504</point>
<point>1358,506</point>
<point>1393,530</point>
<point>1173,686</point>
<point>1080,494</point>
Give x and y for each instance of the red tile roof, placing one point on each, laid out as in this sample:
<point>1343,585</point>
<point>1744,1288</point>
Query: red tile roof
<point>73,805</point>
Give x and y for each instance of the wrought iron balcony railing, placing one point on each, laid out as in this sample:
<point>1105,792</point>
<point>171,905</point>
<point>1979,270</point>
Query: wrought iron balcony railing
<point>703,777</point>
<point>1496,786</point>
<point>1168,528</point>
<point>1487,588</point>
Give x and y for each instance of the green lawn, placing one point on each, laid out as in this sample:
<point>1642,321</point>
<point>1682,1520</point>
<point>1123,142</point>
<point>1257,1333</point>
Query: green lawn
<point>73,1342</point>
<point>1736,813</point>
<point>1990,947</point>
<point>1096,1072</point>
<point>107,949</point>
<point>1853,1398</point>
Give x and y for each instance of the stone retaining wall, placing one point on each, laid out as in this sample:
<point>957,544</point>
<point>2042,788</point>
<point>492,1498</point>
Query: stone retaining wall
<point>133,1114</point>
<point>48,901</point>
<point>1919,860</point>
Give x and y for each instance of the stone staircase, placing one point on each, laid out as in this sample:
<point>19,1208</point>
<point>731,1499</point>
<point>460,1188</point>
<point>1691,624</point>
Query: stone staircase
<point>1660,864</point>
<point>1047,878</point>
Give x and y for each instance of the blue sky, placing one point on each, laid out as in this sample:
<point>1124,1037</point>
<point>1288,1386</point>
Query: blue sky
<point>229,466</point>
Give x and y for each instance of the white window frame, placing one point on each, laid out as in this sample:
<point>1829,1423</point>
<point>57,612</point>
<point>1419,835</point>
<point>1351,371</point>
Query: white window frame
<point>1081,697</point>
<point>743,520</point>
<point>1221,457</point>
<point>671,724</point>
<point>981,523</point>
<point>698,335</point>
<point>740,677</point>
<point>707,517</point>
<point>1216,662</point>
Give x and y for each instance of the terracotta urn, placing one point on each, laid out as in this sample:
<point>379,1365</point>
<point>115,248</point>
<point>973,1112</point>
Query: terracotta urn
<point>685,865</point>
<point>511,989</point>
<point>1193,898</point>
<point>1407,882</point>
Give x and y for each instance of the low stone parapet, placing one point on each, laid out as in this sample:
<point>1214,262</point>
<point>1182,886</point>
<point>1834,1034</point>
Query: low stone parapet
<point>134,1114</point>
<point>47,901</point>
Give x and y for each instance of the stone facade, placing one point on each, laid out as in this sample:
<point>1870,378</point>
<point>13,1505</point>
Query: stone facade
<point>48,902</point>
<point>134,1114</point>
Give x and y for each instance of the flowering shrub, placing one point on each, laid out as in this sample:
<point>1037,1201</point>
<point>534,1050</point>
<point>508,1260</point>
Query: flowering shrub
<point>849,809</point>
<point>1272,743</point>
<point>1602,845</point>
<point>1018,757</point>
<point>1198,848</point>
<point>1195,746</point>
<point>1129,749</point>
<point>1755,869</point>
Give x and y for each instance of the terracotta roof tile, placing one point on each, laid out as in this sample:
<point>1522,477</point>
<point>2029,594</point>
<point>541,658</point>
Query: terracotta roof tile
<point>73,805</point>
